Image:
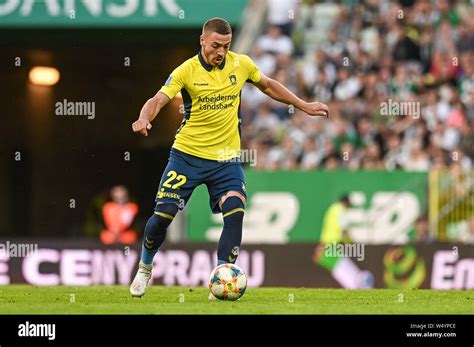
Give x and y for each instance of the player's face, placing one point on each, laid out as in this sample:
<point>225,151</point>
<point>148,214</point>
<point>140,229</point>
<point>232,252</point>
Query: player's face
<point>215,47</point>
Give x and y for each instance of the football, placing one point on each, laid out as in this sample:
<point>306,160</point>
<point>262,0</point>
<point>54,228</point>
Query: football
<point>228,282</point>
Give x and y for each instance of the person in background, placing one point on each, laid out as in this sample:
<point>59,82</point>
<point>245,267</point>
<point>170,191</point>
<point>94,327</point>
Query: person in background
<point>282,13</point>
<point>119,214</point>
<point>467,232</point>
<point>421,232</point>
<point>334,232</point>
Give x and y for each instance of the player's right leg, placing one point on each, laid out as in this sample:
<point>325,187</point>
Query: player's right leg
<point>177,184</point>
<point>155,233</point>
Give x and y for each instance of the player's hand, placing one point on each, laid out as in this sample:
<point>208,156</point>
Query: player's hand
<point>316,109</point>
<point>141,126</point>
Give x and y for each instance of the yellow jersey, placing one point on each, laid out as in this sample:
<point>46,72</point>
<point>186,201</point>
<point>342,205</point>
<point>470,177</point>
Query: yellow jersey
<point>211,96</point>
<point>333,223</point>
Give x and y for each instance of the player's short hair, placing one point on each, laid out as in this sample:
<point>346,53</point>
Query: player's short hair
<point>345,199</point>
<point>218,25</point>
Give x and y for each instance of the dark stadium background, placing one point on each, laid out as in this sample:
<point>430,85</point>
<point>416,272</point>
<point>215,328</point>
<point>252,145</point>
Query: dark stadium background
<point>72,157</point>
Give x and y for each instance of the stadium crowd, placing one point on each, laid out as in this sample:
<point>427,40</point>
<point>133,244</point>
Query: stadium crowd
<point>397,76</point>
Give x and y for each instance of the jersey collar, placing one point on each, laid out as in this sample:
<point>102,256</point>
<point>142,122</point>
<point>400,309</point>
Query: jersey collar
<point>207,66</point>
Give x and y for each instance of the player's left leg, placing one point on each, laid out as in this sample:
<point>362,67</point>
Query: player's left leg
<point>232,205</point>
<point>227,196</point>
<point>226,186</point>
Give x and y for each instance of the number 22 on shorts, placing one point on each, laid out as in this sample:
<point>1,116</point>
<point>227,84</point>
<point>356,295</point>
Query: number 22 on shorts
<point>174,176</point>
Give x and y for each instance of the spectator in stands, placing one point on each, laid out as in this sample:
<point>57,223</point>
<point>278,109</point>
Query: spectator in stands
<point>265,61</point>
<point>355,56</point>
<point>274,42</point>
<point>421,232</point>
<point>282,14</point>
<point>418,159</point>
<point>468,235</point>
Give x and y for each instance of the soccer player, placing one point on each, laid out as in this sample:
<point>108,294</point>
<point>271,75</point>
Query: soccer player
<point>334,234</point>
<point>207,144</point>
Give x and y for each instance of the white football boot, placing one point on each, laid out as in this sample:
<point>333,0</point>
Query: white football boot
<point>140,282</point>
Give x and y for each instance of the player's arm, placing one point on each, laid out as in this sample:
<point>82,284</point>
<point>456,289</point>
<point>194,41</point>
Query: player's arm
<point>149,111</point>
<point>279,92</point>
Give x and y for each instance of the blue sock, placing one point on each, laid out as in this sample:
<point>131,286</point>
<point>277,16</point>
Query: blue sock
<point>231,237</point>
<point>155,230</point>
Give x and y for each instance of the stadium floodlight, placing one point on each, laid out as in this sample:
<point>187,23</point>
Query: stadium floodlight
<point>44,75</point>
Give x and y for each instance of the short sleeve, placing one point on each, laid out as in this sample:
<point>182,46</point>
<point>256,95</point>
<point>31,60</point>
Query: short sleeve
<point>175,82</point>
<point>254,74</point>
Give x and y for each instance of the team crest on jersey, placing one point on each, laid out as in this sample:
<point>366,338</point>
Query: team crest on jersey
<point>233,79</point>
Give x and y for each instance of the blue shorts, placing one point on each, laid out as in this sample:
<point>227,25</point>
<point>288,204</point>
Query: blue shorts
<point>185,172</point>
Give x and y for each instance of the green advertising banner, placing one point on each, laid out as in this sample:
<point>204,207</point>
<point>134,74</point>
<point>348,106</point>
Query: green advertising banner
<point>290,206</point>
<point>119,13</point>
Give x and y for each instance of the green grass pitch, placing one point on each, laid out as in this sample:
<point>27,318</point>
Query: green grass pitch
<point>24,299</point>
